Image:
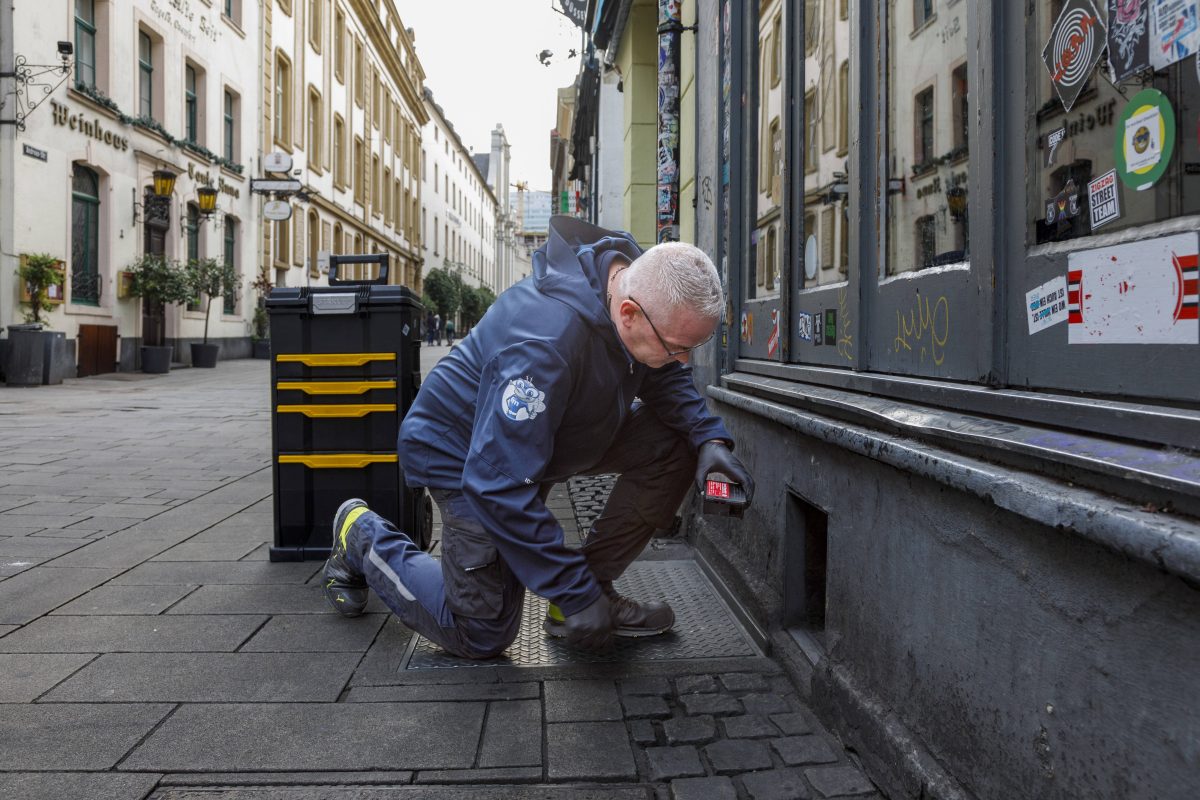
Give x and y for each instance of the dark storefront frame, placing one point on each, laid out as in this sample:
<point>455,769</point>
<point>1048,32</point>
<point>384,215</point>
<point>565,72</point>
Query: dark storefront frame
<point>1109,390</point>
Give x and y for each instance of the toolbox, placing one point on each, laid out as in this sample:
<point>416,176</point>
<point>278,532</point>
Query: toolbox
<point>345,369</point>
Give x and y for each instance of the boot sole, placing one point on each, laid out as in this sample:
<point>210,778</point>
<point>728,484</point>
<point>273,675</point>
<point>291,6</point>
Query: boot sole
<point>557,630</point>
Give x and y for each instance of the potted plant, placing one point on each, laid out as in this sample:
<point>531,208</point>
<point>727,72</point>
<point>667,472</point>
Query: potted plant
<point>260,337</point>
<point>36,356</point>
<point>157,281</point>
<point>209,278</point>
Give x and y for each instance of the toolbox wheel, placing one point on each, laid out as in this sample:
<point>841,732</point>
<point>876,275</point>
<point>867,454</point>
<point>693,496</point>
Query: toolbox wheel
<point>425,521</point>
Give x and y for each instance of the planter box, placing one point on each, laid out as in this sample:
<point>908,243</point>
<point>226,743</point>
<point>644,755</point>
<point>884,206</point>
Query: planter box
<point>261,348</point>
<point>205,355</point>
<point>156,360</point>
<point>26,356</point>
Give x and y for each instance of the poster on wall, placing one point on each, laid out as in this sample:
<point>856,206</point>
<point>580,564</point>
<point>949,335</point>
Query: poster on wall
<point>1076,42</point>
<point>1128,37</point>
<point>1145,139</point>
<point>1174,31</point>
<point>1139,293</point>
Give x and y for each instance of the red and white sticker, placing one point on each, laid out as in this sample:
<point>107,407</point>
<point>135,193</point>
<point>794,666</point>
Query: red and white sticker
<point>1140,293</point>
<point>717,489</point>
<point>773,339</point>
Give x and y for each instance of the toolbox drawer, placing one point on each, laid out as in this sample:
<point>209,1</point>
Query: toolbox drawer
<point>328,427</point>
<point>310,487</point>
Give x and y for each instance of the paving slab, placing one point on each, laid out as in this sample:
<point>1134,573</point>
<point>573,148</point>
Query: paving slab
<point>218,572</point>
<point>25,597</point>
<point>839,781</point>
<point>206,551</point>
<point>776,784</point>
<point>690,730</point>
<point>280,598</point>
<point>718,705</point>
<point>125,600</point>
<point>648,685</point>
<point>695,684</point>
<point>589,751</point>
<point>792,724</point>
<point>716,788</point>
<point>208,677</point>
<point>484,775</point>
<point>315,633</point>
<point>312,736</point>
<point>744,682</point>
<point>6,629</point>
<point>382,777</point>
<point>646,708</point>
<point>749,726</point>
<point>424,792</point>
<point>512,734</point>
<point>582,701</point>
<point>797,750</point>
<point>124,634</point>
<point>112,552</point>
<point>446,692</point>
<point>767,703</point>
<point>641,732</point>
<point>76,785</point>
<point>38,546</point>
<point>72,737</point>
<point>667,763</point>
<point>24,677</point>
<point>730,756</point>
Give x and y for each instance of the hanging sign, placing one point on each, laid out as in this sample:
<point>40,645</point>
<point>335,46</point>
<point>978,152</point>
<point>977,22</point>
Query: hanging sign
<point>1076,42</point>
<point>1139,293</point>
<point>1104,203</point>
<point>1128,37</point>
<point>1175,32</point>
<point>1145,139</point>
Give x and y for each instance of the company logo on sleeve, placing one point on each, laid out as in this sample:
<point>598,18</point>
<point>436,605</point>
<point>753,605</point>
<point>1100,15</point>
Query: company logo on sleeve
<point>522,400</point>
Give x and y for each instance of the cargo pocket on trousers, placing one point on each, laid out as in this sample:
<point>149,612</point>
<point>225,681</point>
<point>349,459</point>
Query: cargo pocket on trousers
<point>471,567</point>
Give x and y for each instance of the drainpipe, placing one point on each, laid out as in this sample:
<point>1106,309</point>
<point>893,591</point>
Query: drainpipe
<point>670,26</point>
<point>8,139</point>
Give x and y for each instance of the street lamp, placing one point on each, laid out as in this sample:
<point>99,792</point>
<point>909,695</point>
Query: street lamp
<point>164,182</point>
<point>156,201</point>
<point>206,196</point>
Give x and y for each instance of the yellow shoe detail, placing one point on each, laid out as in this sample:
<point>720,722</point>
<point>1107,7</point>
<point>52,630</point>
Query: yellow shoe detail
<point>350,518</point>
<point>555,613</point>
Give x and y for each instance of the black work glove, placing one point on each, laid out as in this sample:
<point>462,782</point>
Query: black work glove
<point>715,456</point>
<point>592,628</point>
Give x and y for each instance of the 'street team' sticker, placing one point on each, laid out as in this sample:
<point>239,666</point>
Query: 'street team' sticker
<point>1175,31</point>
<point>1104,203</point>
<point>1128,37</point>
<point>1076,42</point>
<point>1145,139</point>
<point>1139,293</point>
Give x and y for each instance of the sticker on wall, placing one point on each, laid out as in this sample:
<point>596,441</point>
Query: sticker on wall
<point>1064,207</point>
<point>1128,37</point>
<point>831,326</point>
<point>773,339</point>
<point>819,328</point>
<point>1046,305</point>
<point>1145,139</point>
<point>1139,293</point>
<point>1174,31</point>
<point>1104,202</point>
<point>747,327</point>
<point>1053,140</point>
<point>1076,42</point>
<point>804,328</point>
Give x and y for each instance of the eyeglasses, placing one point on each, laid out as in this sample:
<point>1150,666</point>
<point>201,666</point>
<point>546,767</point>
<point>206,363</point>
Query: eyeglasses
<point>670,353</point>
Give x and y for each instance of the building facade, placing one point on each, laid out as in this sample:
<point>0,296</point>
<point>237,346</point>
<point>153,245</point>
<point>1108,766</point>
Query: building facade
<point>151,87</point>
<point>458,208</point>
<point>495,164</point>
<point>957,262</point>
<point>342,96</point>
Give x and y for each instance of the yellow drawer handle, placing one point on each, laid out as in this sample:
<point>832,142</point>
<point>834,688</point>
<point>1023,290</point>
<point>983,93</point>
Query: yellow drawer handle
<point>334,359</point>
<point>334,387</point>
<point>340,460</point>
<point>353,410</point>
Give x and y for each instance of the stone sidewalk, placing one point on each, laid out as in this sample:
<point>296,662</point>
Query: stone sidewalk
<point>149,649</point>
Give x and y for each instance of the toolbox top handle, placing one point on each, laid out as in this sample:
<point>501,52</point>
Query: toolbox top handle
<point>374,258</point>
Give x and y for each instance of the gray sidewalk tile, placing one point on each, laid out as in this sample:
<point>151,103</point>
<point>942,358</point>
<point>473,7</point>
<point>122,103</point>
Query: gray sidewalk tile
<point>219,572</point>
<point>109,600</point>
<point>477,776</point>
<point>648,685</point>
<point>72,737</point>
<point>718,705</point>
<point>6,629</point>
<point>690,730</point>
<point>839,781</point>
<point>796,750</point>
<point>206,551</point>
<point>263,599</point>
<point>512,734</point>
<point>695,684</point>
<point>776,784</point>
<point>419,792</point>
<point>111,552</point>
<point>315,633</point>
<point>444,692</point>
<point>203,779</point>
<point>718,788</point>
<point>208,677</point>
<point>589,751</point>
<point>641,731</point>
<point>750,726</point>
<point>38,546</point>
<point>312,736</point>
<point>123,634</point>
<point>744,681</point>
<point>25,597</point>
<point>646,708</point>
<point>667,763</point>
<point>52,509</point>
<point>76,785</point>
<point>124,511</point>
<point>730,756</point>
<point>580,701</point>
<point>767,703</point>
<point>792,724</point>
<point>24,677</point>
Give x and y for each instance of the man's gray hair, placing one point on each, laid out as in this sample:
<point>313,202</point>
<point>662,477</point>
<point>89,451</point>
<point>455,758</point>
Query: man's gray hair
<point>674,276</point>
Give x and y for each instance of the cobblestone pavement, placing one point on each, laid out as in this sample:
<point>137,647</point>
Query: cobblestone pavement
<point>149,649</point>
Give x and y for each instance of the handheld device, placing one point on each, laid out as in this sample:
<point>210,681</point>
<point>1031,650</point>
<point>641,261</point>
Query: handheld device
<point>722,496</point>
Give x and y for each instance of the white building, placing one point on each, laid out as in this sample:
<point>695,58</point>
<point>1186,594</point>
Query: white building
<point>495,165</point>
<point>154,86</point>
<point>458,208</point>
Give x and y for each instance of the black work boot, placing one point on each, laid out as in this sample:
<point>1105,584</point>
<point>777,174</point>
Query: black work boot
<point>345,587</point>
<point>634,618</point>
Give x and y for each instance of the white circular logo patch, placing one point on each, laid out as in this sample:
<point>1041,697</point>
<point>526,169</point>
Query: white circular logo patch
<point>522,400</point>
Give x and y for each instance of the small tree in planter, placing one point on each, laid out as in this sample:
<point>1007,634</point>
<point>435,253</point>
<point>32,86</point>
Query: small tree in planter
<point>261,336</point>
<point>33,357</point>
<point>39,273</point>
<point>157,281</point>
<point>210,278</point>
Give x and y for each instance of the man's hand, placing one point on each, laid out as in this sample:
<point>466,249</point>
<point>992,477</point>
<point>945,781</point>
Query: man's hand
<point>592,628</point>
<point>715,456</point>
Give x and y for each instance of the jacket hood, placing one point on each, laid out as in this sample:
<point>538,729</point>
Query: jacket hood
<point>572,266</point>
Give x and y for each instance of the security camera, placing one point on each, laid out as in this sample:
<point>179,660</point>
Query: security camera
<point>65,49</point>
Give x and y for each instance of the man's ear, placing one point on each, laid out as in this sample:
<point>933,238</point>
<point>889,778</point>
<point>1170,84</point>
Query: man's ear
<point>627,310</point>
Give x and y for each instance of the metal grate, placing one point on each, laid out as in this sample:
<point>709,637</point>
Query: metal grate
<point>704,627</point>
<point>589,493</point>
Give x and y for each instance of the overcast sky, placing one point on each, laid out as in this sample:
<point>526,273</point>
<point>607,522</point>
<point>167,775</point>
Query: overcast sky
<point>480,60</point>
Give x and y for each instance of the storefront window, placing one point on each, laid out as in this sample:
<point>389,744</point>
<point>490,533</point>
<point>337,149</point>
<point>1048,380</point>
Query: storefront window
<point>231,228</point>
<point>85,229</point>
<point>1111,142</point>
<point>928,112</point>
<point>771,112</point>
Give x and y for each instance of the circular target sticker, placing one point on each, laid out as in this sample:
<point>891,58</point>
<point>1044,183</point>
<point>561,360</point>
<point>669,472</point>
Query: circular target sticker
<point>1145,139</point>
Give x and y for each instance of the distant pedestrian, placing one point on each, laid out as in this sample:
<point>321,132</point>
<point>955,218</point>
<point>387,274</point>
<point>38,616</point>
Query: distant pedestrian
<point>430,327</point>
<point>450,332</point>
<point>437,328</point>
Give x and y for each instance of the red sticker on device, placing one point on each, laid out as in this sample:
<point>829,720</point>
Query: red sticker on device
<point>717,489</point>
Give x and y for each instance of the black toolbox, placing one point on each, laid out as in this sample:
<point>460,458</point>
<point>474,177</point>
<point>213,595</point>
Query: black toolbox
<point>345,367</point>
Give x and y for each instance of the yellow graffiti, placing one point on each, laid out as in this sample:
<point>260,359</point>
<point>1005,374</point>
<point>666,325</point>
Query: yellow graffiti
<point>921,320</point>
<point>845,341</point>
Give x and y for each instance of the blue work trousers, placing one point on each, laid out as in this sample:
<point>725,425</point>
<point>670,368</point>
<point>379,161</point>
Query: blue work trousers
<point>469,602</point>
